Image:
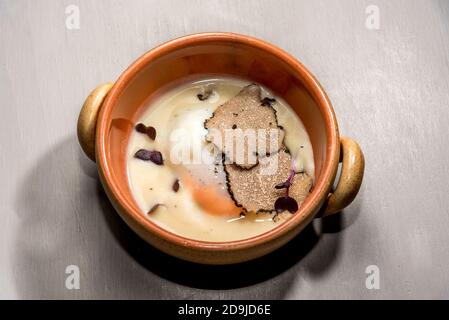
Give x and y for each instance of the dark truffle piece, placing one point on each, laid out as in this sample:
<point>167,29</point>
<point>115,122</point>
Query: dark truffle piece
<point>241,116</point>
<point>256,190</point>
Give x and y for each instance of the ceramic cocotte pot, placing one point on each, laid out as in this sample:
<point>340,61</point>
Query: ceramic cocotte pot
<point>106,118</point>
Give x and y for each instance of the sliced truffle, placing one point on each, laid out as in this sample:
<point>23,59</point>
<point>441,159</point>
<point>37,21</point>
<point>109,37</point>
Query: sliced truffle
<point>244,129</point>
<point>255,189</point>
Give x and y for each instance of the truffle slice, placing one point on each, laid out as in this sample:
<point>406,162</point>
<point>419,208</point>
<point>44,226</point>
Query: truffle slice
<point>244,129</point>
<point>254,189</point>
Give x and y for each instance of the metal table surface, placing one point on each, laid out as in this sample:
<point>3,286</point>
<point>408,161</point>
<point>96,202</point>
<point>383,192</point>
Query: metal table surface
<point>390,89</point>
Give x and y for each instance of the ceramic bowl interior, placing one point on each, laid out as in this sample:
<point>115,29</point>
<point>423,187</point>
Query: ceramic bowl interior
<point>200,56</point>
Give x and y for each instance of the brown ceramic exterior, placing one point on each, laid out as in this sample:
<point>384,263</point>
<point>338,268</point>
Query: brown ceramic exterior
<point>232,55</point>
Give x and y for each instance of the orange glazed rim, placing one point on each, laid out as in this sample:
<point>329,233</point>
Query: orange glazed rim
<point>308,208</point>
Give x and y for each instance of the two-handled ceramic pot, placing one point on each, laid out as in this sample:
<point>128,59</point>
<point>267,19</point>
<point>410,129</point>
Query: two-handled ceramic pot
<point>106,119</point>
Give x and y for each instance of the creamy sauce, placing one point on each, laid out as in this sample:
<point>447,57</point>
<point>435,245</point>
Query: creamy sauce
<point>178,117</point>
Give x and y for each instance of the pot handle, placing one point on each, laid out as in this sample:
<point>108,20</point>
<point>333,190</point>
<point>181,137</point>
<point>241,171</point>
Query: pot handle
<point>87,119</point>
<point>353,166</point>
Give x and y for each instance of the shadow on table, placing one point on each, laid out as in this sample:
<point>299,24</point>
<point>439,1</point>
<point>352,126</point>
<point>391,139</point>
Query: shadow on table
<point>65,218</point>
